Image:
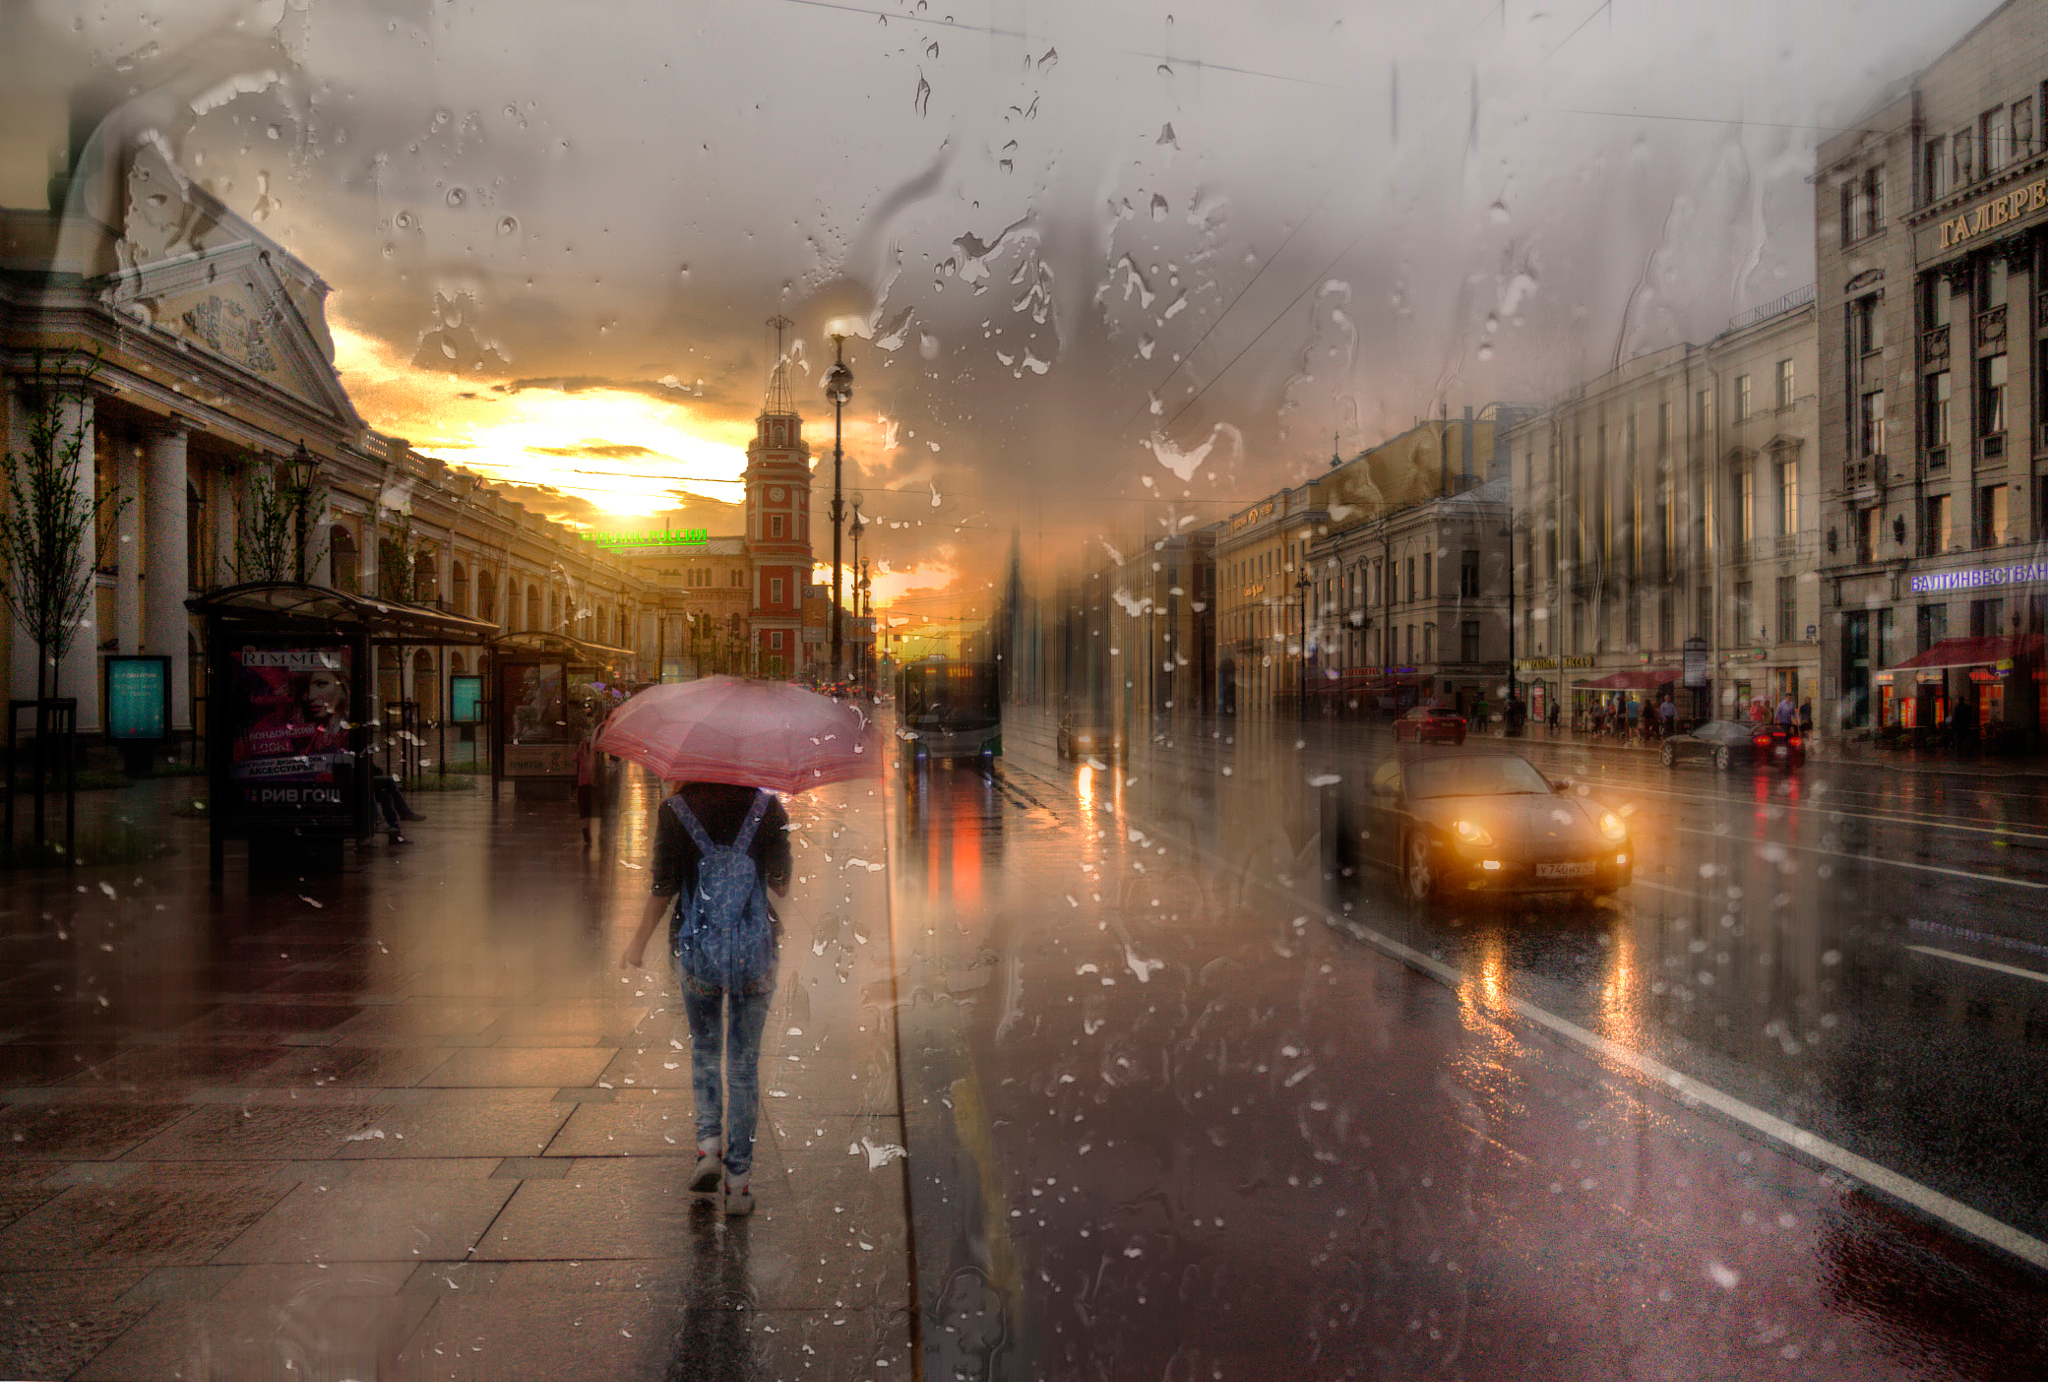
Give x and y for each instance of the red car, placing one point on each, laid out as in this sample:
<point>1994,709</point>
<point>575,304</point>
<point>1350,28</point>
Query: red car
<point>1430,726</point>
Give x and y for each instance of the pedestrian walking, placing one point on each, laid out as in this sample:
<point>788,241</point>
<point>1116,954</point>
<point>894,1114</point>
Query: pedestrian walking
<point>1667,716</point>
<point>1635,718</point>
<point>1556,711</point>
<point>1788,713</point>
<point>724,941</point>
<point>1806,718</point>
<point>586,781</point>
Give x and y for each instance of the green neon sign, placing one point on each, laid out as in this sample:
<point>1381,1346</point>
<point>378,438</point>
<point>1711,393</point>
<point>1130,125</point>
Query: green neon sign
<point>659,537</point>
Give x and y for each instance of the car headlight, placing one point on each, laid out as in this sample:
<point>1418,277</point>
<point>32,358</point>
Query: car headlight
<point>1612,828</point>
<point>1471,834</point>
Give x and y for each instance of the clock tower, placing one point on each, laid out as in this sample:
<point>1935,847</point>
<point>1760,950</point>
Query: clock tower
<point>778,539</point>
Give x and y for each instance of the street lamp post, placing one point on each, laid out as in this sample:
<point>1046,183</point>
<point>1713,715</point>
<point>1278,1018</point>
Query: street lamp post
<point>1507,531</point>
<point>838,388</point>
<point>855,528</point>
<point>303,470</point>
<point>1302,584</point>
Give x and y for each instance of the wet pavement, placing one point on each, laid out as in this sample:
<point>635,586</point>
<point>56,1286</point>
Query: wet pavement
<point>415,1121</point>
<point>1180,1107</point>
<point>1176,1104</point>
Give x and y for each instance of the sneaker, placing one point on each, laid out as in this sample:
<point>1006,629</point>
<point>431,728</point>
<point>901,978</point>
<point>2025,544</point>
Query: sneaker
<point>410,815</point>
<point>399,839</point>
<point>739,1200</point>
<point>709,1176</point>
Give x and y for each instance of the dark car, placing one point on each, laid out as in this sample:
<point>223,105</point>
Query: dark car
<point>1430,725</point>
<point>1088,736</point>
<point>1469,823</point>
<point>1732,743</point>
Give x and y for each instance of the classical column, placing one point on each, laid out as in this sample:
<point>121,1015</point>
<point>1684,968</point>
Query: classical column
<point>128,547</point>
<point>227,522</point>
<point>167,565</point>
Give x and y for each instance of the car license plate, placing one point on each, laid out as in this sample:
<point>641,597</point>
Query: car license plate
<point>1578,870</point>
<point>1782,750</point>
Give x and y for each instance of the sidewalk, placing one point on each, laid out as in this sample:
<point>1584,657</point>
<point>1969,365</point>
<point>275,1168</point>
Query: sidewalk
<point>415,1122</point>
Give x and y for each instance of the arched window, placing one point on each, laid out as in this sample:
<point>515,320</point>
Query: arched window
<point>486,597</point>
<point>426,687</point>
<point>533,607</point>
<point>426,575</point>
<point>602,629</point>
<point>458,579</point>
<point>346,562</point>
<point>554,624</point>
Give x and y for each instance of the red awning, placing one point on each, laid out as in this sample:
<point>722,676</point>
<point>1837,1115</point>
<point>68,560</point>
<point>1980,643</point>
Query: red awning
<point>1634,679</point>
<point>1972,652</point>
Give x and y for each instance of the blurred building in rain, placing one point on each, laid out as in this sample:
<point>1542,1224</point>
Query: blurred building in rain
<point>778,537</point>
<point>1413,605</point>
<point>214,366</point>
<point>1932,269</point>
<point>703,594</point>
<point>1304,594</point>
<point>1674,499</point>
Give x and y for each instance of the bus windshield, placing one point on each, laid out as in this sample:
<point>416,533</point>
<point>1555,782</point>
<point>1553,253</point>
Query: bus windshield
<point>949,695</point>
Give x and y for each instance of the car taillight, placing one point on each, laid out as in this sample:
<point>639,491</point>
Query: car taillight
<point>1762,739</point>
<point>1795,741</point>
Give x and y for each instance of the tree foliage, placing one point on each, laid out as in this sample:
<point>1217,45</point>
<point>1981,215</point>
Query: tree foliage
<point>52,514</point>
<point>267,539</point>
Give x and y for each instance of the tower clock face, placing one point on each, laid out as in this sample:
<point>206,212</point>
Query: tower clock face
<point>775,495</point>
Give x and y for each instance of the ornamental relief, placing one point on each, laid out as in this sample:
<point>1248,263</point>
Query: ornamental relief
<point>225,326</point>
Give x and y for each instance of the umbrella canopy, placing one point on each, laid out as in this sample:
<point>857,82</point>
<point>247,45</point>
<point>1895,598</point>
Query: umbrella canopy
<point>749,733</point>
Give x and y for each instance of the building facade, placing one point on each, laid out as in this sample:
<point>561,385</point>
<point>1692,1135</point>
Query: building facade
<point>214,365</point>
<point>1675,499</point>
<point>1414,605</point>
<point>1932,262</point>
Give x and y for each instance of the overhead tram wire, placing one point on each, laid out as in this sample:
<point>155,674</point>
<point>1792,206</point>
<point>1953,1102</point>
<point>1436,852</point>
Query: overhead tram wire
<point>1187,357</point>
<point>1337,259</point>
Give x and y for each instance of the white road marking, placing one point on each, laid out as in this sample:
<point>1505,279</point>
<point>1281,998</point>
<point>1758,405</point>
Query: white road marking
<point>1823,808</point>
<point>1952,1212</point>
<point>1871,859</point>
<point>2033,974</point>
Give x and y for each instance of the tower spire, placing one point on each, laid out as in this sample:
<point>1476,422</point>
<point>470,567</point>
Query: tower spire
<point>779,399</point>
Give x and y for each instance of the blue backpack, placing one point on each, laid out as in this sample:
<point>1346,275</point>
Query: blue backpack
<point>724,934</point>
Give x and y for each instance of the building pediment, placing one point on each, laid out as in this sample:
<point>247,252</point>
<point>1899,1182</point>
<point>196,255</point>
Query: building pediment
<point>194,271</point>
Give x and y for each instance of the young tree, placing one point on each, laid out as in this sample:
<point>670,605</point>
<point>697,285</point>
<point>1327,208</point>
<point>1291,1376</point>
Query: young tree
<point>52,512</point>
<point>267,540</point>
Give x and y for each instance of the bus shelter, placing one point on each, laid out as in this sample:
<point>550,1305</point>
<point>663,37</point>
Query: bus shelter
<point>289,712</point>
<point>550,690</point>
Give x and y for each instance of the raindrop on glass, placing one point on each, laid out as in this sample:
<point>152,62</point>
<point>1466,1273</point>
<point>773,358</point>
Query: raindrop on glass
<point>508,225</point>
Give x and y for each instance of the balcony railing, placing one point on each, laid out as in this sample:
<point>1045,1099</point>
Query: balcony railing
<point>1937,460</point>
<point>1991,448</point>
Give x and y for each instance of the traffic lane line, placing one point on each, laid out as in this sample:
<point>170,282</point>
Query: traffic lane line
<point>1873,859</point>
<point>2015,970</point>
<point>1692,1093</point>
<point>1944,822</point>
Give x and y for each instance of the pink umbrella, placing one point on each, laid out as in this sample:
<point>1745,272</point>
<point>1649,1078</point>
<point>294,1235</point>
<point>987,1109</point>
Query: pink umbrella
<point>750,733</point>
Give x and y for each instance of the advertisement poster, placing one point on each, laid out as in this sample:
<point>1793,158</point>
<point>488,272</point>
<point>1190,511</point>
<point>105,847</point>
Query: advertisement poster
<point>289,752</point>
<point>138,694</point>
<point>539,740</point>
<point>465,693</point>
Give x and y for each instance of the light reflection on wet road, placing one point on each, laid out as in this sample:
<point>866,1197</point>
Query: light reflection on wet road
<point>1201,1127</point>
